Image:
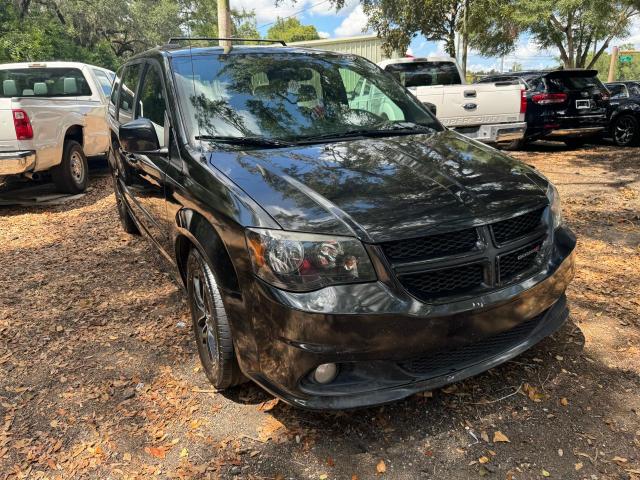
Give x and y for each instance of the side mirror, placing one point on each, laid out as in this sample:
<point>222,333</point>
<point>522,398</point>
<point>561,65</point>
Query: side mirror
<point>138,136</point>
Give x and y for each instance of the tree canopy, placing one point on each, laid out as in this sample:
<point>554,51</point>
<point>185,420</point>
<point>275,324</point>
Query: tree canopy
<point>291,30</point>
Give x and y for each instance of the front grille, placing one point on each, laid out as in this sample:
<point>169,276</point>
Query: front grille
<point>446,281</point>
<point>517,227</point>
<point>516,263</point>
<point>445,362</point>
<point>431,246</point>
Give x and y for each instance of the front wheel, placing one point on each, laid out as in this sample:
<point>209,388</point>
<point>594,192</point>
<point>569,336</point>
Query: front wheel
<point>72,175</point>
<point>211,324</point>
<point>625,131</point>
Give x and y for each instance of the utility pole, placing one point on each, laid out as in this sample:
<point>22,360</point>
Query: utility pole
<point>224,22</point>
<point>613,64</point>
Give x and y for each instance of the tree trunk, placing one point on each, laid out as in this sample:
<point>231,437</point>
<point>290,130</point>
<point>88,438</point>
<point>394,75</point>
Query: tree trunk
<point>465,37</point>
<point>224,21</point>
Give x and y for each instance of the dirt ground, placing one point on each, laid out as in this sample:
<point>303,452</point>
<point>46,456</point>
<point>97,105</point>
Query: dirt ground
<point>99,376</point>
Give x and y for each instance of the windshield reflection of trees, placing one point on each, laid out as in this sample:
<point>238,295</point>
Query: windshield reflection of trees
<point>269,95</point>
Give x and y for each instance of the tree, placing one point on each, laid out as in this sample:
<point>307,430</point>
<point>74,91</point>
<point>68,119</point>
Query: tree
<point>574,27</point>
<point>399,21</point>
<point>291,30</point>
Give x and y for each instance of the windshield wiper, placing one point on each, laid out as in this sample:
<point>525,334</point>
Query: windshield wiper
<point>404,128</point>
<point>247,141</point>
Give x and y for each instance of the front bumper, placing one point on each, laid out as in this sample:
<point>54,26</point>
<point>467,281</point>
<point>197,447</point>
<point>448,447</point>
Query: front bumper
<point>498,133</point>
<point>15,163</point>
<point>377,336</point>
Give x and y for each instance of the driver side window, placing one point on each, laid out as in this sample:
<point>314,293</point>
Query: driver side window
<point>151,102</point>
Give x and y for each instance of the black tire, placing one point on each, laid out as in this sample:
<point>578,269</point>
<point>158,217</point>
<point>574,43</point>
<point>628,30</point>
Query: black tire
<point>514,145</point>
<point>128,225</point>
<point>625,131</point>
<point>72,175</point>
<point>576,142</point>
<point>211,324</point>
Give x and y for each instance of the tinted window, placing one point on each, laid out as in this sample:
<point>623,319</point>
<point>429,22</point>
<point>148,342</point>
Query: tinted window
<point>151,102</point>
<point>105,81</point>
<point>417,74</point>
<point>128,91</point>
<point>285,96</point>
<point>43,82</point>
<point>634,89</point>
<point>617,90</point>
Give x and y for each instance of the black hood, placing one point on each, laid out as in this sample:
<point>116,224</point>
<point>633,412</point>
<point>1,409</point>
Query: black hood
<point>382,189</point>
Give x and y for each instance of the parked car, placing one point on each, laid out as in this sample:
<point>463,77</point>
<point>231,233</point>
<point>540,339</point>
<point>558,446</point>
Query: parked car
<point>624,113</point>
<point>336,258</point>
<point>490,113</point>
<point>52,116</point>
<point>565,105</point>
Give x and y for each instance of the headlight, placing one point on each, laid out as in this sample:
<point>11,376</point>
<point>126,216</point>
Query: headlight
<point>304,262</point>
<point>554,203</point>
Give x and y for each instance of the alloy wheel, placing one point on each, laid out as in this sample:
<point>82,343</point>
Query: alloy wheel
<point>202,309</point>
<point>624,130</point>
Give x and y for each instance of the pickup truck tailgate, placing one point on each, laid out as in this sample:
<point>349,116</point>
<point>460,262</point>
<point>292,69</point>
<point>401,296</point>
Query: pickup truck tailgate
<point>470,105</point>
<point>8,139</point>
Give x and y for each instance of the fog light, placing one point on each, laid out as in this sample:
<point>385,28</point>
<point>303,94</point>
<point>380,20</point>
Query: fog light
<point>325,373</point>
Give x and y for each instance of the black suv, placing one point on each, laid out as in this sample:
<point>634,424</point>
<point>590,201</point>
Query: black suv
<point>566,105</point>
<point>333,256</point>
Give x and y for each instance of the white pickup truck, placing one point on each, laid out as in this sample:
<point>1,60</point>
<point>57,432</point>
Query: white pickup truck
<point>492,113</point>
<point>52,117</point>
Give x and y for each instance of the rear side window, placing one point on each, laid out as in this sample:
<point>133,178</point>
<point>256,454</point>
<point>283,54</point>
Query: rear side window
<point>105,81</point>
<point>418,74</point>
<point>618,90</point>
<point>43,82</point>
<point>128,92</point>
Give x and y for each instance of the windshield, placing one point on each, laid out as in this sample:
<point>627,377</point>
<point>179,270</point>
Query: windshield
<point>290,97</point>
<point>421,74</point>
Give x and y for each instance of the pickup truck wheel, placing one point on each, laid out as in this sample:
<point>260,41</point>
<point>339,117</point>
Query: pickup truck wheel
<point>625,131</point>
<point>128,225</point>
<point>72,175</point>
<point>211,324</point>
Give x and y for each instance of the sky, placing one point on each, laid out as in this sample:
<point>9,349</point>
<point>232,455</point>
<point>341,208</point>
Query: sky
<point>351,20</point>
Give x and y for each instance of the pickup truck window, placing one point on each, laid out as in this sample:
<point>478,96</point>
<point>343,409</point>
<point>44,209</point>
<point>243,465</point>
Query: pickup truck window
<point>284,96</point>
<point>152,102</point>
<point>104,80</point>
<point>128,92</point>
<point>43,82</point>
<point>420,74</point>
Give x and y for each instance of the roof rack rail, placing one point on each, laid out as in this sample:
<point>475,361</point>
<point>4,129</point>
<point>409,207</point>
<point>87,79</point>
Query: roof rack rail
<point>215,39</point>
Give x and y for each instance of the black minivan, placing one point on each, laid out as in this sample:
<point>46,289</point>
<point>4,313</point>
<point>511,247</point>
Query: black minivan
<point>336,257</point>
<point>566,105</point>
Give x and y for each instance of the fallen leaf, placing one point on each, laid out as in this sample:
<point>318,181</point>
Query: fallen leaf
<point>545,473</point>
<point>155,451</point>
<point>126,456</point>
<point>381,467</point>
<point>268,405</point>
<point>498,436</point>
<point>354,477</point>
<point>620,459</point>
<point>564,402</point>
<point>484,436</point>
<point>270,429</point>
<point>578,466</point>
<point>484,460</point>
<point>324,476</point>
<point>331,462</point>
<point>184,453</point>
